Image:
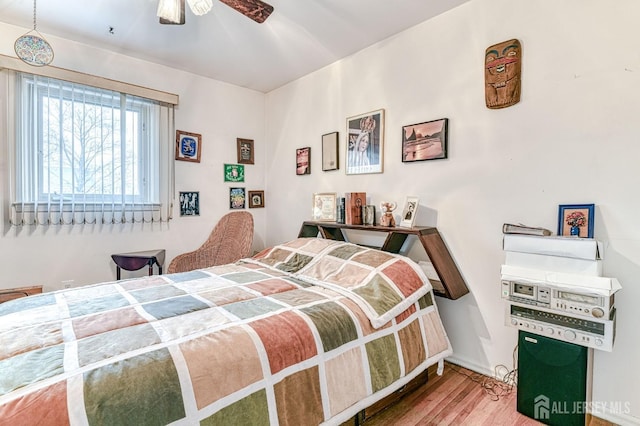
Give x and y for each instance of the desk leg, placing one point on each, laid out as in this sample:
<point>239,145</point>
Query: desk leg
<point>150,269</point>
<point>118,273</point>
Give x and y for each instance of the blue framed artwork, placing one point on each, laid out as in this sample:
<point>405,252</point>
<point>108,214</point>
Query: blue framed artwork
<point>188,146</point>
<point>576,220</point>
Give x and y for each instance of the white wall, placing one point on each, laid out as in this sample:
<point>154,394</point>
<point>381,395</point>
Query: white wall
<point>219,112</point>
<point>572,139</point>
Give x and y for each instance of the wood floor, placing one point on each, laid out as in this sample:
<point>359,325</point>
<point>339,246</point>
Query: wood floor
<point>458,397</point>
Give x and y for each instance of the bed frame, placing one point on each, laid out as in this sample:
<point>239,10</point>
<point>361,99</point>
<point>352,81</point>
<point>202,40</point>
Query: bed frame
<point>451,284</point>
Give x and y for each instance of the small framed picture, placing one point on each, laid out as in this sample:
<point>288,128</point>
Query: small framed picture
<point>237,198</point>
<point>576,220</point>
<point>233,173</point>
<point>409,212</point>
<point>245,151</point>
<point>330,157</point>
<point>189,203</point>
<point>324,206</point>
<point>303,161</point>
<point>256,199</point>
<point>365,143</point>
<point>188,146</point>
<point>425,141</point>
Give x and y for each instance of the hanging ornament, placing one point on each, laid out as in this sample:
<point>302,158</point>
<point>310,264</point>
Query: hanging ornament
<point>32,48</point>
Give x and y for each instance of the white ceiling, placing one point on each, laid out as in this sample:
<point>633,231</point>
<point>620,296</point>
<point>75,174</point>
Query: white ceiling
<point>300,36</point>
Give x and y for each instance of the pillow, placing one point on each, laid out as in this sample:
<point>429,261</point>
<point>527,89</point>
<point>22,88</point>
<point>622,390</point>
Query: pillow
<point>382,284</point>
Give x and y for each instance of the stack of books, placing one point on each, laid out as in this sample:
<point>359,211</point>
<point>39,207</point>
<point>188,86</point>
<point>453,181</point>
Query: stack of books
<point>354,201</point>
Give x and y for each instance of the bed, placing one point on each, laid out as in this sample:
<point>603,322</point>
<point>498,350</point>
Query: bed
<point>307,332</point>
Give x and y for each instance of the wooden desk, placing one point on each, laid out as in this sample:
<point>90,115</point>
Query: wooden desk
<point>451,285</point>
<point>15,293</point>
<point>138,260</point>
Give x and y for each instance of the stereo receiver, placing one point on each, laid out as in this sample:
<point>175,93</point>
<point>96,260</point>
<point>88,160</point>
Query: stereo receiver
<point>592,333</point>
<point>572,302</point>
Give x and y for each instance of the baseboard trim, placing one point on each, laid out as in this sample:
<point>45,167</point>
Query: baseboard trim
<point>470,365</point>
<point>619,419</point>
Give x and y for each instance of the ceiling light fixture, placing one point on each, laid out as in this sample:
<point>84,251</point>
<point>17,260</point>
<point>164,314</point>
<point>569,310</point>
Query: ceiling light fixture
<point>200,7</point>
<point>32,48</point>
<point>171,10</point>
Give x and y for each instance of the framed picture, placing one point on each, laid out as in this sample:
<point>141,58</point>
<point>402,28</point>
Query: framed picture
<point>188,146</point>
<point>330,157</point>
<point>303,161</point>
<point>576,220</point>
<point>324,206</point>
<point>233,173</point>
<point>189,203</point>
<point>256,199</point>
<point>425,141</point>
<point>245,151</point>
<point>237,198</point>
<point>409,212</point>
<point>365,143</point>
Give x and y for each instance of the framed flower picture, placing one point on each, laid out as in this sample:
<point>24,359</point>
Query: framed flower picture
<point>576,220</point>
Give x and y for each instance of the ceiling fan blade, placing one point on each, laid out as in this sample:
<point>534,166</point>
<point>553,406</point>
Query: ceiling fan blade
<point>170,22</point>
<point>257,10</point>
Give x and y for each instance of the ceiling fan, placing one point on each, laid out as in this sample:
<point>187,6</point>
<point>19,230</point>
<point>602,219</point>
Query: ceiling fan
<point>172,11</point>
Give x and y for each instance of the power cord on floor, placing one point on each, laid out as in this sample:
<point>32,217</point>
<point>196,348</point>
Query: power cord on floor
<point>502,383</point>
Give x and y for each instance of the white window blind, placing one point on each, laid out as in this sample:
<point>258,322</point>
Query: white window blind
<point>88,155</point>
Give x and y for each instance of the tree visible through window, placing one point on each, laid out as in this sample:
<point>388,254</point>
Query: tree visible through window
<point>82,149</point>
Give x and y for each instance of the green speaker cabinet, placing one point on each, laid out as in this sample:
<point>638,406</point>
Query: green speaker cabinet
<point>554,379</point>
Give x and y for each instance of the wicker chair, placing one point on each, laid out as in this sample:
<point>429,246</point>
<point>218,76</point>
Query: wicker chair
<point>229,241</point>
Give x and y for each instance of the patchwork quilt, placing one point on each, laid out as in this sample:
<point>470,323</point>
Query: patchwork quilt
<point>304,333</point>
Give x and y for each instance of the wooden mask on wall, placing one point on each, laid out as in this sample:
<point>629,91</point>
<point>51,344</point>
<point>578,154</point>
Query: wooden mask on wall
<point>502,69</point>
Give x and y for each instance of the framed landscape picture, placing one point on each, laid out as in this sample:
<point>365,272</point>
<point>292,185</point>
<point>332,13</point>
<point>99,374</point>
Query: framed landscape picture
<point>365,143</point>
<point>188,146</point>
<point>425,141</point>
<point>576,220</point>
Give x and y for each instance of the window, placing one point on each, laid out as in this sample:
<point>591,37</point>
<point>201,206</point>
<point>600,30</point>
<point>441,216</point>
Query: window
<point>89,155</point>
